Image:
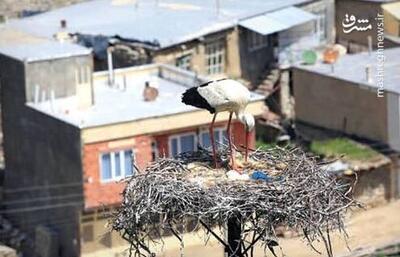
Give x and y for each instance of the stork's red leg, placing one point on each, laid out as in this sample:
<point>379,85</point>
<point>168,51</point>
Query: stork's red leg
<point>213,141</point>
<point>228,130</point>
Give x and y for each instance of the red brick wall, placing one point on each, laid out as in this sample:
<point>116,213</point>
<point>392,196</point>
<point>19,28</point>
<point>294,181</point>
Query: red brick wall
<point>98,193</point>
<point>239,136</point>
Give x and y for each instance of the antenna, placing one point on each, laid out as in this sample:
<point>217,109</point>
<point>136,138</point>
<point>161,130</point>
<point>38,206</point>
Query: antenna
<point>110,67</point>
<point>124,80</point>
<point>52,97</point>
<point>369,45</point>
<point>43,98</point>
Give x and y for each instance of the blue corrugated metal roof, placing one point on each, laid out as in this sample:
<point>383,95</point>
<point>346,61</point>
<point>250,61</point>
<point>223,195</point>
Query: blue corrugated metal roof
<point>278,20</point>
<point>169,22</point>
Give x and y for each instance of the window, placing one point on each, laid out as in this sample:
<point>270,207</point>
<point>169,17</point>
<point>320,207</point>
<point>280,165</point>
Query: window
<point>220,135</point>
<point>256,41</point>
<point>320,25</point>
<point>184,62</point>
<point>215,57</point>
<point>182,143</point>
<point>154,151</point>
<point>116,165</point>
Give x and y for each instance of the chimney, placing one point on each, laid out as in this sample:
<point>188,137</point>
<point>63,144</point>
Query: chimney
<point>62,34</point>
<point>111,79</point>
<point>149,93</point>
<point>63,24</point>
<point>368,75</point>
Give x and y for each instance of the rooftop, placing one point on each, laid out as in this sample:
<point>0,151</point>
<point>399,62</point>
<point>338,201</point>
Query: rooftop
<point>352,68</point>
<point>169,21</point>
<point>393,8</point>
<point>117,105</point>
<point>24,46</point>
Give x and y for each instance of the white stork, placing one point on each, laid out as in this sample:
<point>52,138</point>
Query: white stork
<point>220,96</point>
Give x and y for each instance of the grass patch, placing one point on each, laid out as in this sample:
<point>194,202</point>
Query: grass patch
<point>263,145</point>
<point>338,147</point>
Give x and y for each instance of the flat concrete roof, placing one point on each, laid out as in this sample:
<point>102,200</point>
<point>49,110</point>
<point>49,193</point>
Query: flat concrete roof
<point>169,21</point>
<point>26,47</point>
<point>115,105</point>
<point>351,67</point>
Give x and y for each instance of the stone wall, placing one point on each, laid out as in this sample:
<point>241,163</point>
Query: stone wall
<point>12,8</point>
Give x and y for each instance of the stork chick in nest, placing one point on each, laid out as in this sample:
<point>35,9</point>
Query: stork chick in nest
<point>220,96</point>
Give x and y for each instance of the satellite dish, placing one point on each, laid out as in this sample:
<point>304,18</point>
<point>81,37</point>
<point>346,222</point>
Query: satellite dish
<point>309,57</point>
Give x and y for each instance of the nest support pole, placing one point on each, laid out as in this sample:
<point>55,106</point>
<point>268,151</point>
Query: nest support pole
<point>234,248</point>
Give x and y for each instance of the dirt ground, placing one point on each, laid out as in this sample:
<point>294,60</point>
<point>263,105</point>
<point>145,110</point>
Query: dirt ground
<point>373,227</point>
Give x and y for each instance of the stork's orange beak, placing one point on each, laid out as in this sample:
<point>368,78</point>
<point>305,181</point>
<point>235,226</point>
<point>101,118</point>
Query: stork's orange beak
<point>248,134</point>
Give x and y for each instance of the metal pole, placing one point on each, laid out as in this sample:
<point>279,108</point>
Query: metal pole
<point>234,238</point>
<point>110,66</point>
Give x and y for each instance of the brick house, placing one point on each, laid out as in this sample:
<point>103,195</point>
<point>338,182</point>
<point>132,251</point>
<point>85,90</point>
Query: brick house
<point>71,136</point>
<point>235,39</point>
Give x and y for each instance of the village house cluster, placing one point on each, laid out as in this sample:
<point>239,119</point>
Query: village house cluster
<point>89,89</point>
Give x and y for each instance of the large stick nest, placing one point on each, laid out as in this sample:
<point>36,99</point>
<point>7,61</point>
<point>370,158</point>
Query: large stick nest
<point>297,194</point>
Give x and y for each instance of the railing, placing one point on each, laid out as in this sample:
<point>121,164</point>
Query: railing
<point>183,77</point>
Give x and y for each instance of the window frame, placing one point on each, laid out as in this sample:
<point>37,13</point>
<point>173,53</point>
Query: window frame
<point>184,61</point>
<point>178,136</point>
<point>219,46</point>
<point>112,154</point>
<point>220,131</point>
<point>321,21</point>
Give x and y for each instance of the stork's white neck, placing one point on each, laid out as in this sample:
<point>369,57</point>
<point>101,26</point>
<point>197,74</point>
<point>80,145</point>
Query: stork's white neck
<point>240,115</point>
<point>247,119</point>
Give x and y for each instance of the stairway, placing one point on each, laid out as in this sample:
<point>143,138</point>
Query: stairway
<point>268,82</point>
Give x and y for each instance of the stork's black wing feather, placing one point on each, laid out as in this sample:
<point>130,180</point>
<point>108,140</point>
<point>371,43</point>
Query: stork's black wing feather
<point>193,98</point>
<point>211,81</point>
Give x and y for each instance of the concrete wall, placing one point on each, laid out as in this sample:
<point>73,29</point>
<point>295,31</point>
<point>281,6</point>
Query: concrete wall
<point>393,109</point>
<point>339,105</point>
<point>374,186</point>
<point>64,76</point>
<point>43,178</point>
<point>96,237</point>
